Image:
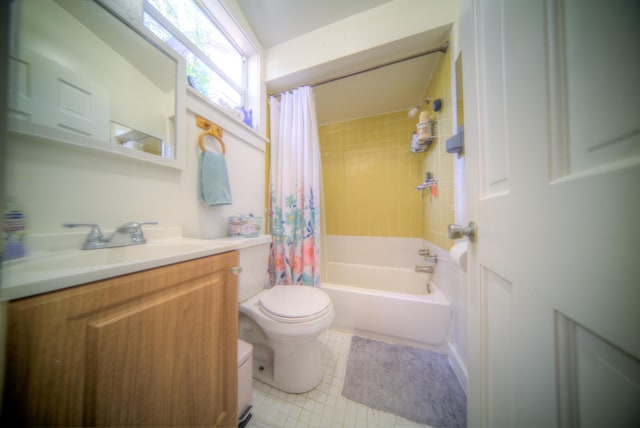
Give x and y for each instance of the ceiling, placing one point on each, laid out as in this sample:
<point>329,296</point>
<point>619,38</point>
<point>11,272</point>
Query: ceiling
<point>301,16</point>
<point>390,88</point>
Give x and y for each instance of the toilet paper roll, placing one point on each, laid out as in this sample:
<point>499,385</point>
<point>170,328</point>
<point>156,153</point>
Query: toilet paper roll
<point>458,255</point>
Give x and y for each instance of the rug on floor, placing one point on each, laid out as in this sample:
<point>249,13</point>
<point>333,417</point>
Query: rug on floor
<point>413,383</point>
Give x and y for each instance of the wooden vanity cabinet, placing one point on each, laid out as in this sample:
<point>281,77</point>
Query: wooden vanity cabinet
<point>152,348</point>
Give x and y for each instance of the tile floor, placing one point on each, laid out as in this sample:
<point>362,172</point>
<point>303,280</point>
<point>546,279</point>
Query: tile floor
<point>324,406</point>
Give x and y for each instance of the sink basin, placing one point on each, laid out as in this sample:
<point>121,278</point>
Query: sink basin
<point>51,270</point>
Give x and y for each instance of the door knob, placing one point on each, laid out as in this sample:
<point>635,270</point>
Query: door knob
<point>455,231</point>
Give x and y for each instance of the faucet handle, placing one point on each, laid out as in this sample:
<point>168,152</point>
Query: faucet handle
<point>135,228</point>
<point>136,224</point>
<point>432,258</point>
<point>424,269</point>
<point>95,229</point>
<point>95,239</point>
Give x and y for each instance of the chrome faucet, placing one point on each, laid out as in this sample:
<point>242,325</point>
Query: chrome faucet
<point>424,269</point>
<point>127,234</point>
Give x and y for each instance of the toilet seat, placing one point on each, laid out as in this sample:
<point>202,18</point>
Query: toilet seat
<point>294,304</point>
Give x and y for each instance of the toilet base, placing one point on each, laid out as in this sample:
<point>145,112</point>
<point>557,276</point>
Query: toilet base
<point>263,364</point>
<point>291,365</point>
<point>293,368</point>
<point>298,367</point>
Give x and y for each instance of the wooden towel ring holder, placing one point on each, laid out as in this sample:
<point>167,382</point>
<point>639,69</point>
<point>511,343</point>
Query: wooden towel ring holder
<point>210,128</point>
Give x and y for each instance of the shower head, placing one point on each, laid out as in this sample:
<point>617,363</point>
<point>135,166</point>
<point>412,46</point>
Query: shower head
<point>414,110</point>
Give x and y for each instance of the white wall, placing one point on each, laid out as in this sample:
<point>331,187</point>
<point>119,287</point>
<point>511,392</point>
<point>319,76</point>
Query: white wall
<point>357,34</point>
<point>56,184</point>
<point>245,155</point>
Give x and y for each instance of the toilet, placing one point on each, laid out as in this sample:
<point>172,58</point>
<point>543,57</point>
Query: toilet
<point>282,323</point>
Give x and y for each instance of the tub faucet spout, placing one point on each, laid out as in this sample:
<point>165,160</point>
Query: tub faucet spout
<point>424,269</point>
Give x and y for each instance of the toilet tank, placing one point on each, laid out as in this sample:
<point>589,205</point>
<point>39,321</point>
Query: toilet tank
<point>254,260</point>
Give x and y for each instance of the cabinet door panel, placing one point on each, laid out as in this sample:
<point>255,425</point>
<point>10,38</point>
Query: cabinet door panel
<point>135,357</point>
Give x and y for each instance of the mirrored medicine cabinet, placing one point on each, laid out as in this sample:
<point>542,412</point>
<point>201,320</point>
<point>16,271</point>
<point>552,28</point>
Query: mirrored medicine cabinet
<point>88,74</point>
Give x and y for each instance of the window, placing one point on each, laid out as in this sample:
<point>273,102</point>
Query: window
<point>216,67</point>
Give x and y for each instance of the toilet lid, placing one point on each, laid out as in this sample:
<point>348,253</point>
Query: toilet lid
<point>294,301</point>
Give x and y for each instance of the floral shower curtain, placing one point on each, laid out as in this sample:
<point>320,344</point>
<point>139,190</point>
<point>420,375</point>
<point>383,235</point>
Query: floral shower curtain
<point>294,202</point>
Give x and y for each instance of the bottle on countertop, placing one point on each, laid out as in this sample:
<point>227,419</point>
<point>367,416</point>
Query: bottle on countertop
<point>14,231</point>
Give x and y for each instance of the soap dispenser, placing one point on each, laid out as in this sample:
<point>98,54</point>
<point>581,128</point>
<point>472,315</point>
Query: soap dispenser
<point>14,231</point>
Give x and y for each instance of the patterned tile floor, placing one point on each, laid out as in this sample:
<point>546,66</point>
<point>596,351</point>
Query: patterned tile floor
<point>324,406</point>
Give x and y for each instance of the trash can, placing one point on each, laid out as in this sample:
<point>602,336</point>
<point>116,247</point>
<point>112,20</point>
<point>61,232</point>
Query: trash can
<point>245,382</point>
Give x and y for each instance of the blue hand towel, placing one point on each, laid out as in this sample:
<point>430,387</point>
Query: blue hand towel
<point>214,179</point>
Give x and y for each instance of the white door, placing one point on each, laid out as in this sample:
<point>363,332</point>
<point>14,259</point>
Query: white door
<point>552,143</point>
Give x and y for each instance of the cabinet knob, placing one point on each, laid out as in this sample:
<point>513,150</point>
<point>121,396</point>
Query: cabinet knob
<point>236,270</point>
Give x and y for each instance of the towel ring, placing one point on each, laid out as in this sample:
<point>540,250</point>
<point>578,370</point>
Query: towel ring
<point>210,128</point>
<point>214,133</point>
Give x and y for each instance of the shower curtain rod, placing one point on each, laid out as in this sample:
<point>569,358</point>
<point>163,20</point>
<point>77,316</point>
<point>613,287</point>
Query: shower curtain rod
<point>442,48</point>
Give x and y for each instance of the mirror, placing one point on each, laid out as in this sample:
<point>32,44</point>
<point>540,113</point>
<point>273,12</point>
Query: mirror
<point>80,75</point>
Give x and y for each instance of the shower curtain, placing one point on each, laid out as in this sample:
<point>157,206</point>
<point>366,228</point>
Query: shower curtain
<point>294,183</point>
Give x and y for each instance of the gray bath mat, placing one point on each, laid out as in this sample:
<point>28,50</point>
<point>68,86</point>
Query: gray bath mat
<point>413,383</point>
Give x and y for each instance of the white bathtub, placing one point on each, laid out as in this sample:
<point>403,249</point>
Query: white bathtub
<point>388,302</point>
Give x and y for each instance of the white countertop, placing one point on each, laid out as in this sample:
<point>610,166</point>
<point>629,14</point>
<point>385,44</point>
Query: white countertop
<point>55,261</point>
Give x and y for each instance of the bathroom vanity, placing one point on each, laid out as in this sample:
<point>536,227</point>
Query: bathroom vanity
<point>155,347</point>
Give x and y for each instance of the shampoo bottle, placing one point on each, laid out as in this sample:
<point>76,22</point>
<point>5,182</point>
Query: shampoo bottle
<point>14,232</point>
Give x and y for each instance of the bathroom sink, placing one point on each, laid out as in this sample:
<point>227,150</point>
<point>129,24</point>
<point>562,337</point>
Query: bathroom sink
<point>44,271</point>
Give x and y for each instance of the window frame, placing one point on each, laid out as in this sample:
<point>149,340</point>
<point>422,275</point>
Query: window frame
<point>155,14</point>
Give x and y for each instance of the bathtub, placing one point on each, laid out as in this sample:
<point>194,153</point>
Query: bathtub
<point>388,302</point>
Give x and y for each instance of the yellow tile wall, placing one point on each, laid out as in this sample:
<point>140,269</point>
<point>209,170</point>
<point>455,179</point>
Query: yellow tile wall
<point>438,212</point>
<point>370,176</point>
